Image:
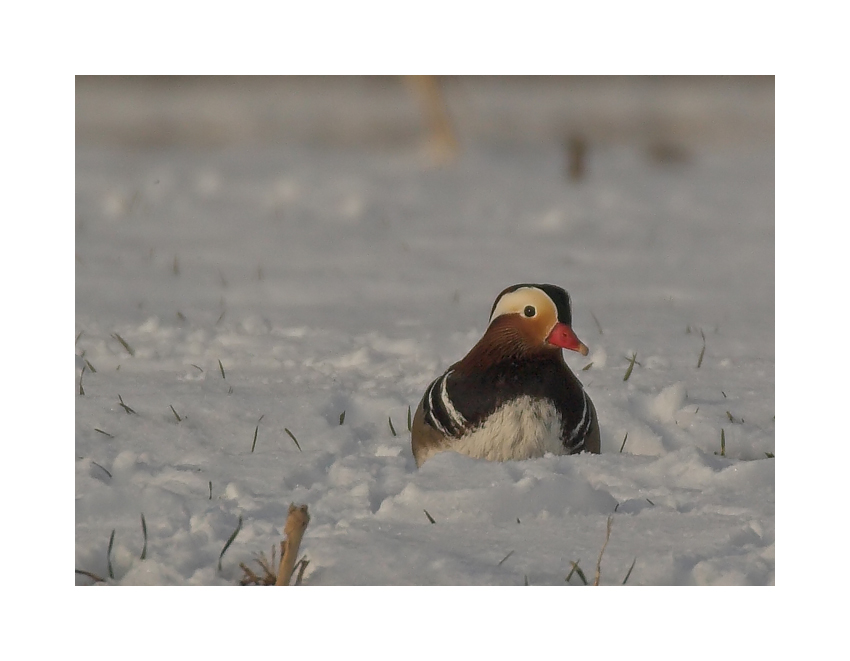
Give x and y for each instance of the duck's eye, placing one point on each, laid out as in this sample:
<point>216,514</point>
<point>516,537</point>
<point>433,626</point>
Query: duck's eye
<point>529,311</point>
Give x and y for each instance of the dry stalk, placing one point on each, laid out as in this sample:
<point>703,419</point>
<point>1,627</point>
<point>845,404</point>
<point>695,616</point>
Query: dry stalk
<point>302,565</point>
<point>296,524</point>
<point>599,559</point>
<point>442,140</point>
<point>94,577</point>
<point>268,578</point>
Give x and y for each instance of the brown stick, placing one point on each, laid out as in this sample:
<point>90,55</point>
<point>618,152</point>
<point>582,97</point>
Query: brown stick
<point>296,524</point>
<point>442,138</point>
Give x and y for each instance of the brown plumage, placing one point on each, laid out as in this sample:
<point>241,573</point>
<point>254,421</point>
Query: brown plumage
<point>513,395</point>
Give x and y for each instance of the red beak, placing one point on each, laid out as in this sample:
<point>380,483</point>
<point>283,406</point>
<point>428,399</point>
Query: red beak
<point>563,336</point>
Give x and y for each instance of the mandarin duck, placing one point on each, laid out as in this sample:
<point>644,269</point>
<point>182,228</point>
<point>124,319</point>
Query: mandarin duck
<point>512,396</point>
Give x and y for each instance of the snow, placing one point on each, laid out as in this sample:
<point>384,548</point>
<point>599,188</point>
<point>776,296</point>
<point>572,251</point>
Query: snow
<point>274,287</point>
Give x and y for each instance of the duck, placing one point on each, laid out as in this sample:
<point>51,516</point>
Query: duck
<point>513,396</point>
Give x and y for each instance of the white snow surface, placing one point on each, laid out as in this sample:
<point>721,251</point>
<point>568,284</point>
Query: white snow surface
<point>274,288</point>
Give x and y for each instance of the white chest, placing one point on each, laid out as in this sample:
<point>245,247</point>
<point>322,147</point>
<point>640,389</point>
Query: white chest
<point>522,429</point>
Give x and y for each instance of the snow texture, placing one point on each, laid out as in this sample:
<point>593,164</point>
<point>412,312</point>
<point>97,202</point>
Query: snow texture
<point>263,291</point>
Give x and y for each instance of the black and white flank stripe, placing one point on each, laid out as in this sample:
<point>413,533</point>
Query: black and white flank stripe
<point>441,413</point>
<point>574,438</point>
<point>439,410</point>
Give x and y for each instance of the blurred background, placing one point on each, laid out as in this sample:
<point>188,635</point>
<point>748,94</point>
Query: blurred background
<point>667,115</point>
<point>316,198</point>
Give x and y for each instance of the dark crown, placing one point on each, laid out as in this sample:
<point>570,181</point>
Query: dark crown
<point>559,297</point>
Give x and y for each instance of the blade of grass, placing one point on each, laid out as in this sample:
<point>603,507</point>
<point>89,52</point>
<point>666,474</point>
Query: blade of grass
<point>732,418</point>
<point>625,438</point>
<point>124,344</point>
<point>596,321</point>
<point>221,367</point>
<point>303,562</point>
<point>577,571</point>
<point>392,429</point>
<point>430,518</point>
<point>179,419</point>
<point>77,339</point>
<point>125,407</point>
<point>292,436</point>
<point>103,469</point>
<point>256,429</point>
<point>229,541</point>
<point>82,371</point>
<point>505,558</point>
<point>90,366</point>
<point>105,433</point>
<point>602,550</point>
<point>341,418</point>
<point>210,498</point>
<point>145,536</point>
<point>630,367</point>
<point>409,422</point>
<point>587,367</point>
<point>109,555</point>
<point>701,353</point>
<point>629,573</point>
<point>94,577</point>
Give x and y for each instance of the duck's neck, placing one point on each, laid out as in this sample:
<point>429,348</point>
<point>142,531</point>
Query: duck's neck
<point>503,344</point>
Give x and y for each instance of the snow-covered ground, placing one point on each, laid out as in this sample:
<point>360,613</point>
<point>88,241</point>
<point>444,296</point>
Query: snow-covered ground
<point>261,289</point>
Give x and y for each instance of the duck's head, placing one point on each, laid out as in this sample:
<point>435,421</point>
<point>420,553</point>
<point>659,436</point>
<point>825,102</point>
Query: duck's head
<point>537,316</point>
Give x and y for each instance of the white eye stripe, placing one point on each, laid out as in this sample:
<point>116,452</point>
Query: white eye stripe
<point>517,301</point>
